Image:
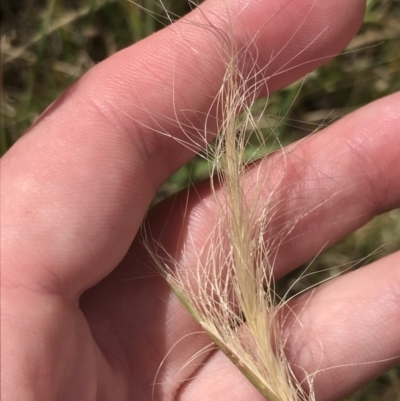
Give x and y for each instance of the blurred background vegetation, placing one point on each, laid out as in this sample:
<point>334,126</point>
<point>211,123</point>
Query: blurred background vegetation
<point>48,44</point>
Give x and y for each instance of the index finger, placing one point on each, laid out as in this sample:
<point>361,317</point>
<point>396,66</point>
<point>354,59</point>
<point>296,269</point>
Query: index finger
<point>79,183</point>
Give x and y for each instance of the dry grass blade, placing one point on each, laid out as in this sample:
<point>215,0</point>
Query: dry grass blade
<point>13,53</point>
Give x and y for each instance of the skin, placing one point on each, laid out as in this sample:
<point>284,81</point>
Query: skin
<point>83,314</point>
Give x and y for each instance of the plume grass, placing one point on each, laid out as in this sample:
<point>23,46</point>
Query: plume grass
<point>230,291</point>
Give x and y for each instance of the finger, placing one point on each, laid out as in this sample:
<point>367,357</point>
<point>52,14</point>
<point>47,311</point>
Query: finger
<point>348,173</point>
<point>319,190</point>
<point>347,332</point>
<point>80,181</point>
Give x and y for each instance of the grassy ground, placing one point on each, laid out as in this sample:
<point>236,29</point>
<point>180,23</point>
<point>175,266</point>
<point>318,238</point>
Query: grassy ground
<point>47,44</point>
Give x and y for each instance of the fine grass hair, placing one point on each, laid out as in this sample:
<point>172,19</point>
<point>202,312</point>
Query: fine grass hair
<point>230,291</point>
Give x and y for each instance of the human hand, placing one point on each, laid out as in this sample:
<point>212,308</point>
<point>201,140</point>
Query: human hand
<point>83,315</point>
